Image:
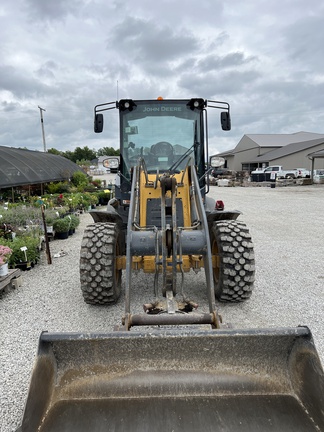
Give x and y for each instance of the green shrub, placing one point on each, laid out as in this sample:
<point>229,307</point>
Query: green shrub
<point>51,216</point>
<point>74,221</point>
<point>62,225</point>
<point>94,199</point>
<point>32,253</point>
<point>58,188</point>
<point>80,179</point>
<point>103,196</point>
<point>21,216</point>
<point>96,183</point>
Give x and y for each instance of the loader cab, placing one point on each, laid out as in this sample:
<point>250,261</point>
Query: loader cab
<point>165,134</point>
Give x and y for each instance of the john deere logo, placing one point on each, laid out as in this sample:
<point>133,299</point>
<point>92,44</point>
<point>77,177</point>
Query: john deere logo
<point>162,109</point>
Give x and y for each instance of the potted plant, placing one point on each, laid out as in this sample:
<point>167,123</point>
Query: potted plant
<point>5,253</point>
<point>50,217</point>
<point>93,200</point>
<point>61,227</point>
<point>104,197</point>
<point>85,201</point>
<point>74,222</point>
<point>25,251</point>
<point>49,225</point>
<point>24,263</point>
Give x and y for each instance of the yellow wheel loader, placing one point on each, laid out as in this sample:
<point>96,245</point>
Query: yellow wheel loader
<point>183,370</point>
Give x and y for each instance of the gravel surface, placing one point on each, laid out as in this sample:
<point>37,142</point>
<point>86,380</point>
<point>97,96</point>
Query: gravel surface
<point>287,230</point>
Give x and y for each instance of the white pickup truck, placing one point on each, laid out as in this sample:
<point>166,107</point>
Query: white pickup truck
<point>281,173</point>
<point>294,173</point>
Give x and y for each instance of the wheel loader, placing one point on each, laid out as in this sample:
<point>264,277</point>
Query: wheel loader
<point>171,367</point>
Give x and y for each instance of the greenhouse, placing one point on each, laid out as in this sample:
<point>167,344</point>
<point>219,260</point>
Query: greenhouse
<point>20,167</point>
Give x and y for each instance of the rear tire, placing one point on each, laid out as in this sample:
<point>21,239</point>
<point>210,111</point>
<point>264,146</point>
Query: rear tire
<point>100,279</point>
<point>233,260</point>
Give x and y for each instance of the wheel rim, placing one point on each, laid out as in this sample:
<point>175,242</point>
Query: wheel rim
<point>215,258</point>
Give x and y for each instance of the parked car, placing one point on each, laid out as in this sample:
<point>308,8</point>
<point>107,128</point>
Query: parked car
<point>302,172</point>
<point>217,172</point>
<point>268,169</point>
<point>281,173</point>
<point>318,176</point>
<point>266,174</point>
<point>294,173</point>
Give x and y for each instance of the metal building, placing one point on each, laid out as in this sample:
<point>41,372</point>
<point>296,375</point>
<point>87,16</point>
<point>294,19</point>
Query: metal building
<point>288,150</point>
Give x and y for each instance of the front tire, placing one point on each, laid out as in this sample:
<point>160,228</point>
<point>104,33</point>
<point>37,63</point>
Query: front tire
<point>99,275</point>
<point>233,261</point>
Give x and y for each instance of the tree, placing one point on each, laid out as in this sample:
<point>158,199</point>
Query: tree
<point>108,151</point>
<point>55,152</point>
<point>84,153</point>
<point>68,155</point>
<point>80,154</point>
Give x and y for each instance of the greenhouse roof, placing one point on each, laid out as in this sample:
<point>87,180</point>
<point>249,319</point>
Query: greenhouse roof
<point>20,167</point>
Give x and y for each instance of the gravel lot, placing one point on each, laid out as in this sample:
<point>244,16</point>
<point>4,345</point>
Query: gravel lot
<point>287,229</point>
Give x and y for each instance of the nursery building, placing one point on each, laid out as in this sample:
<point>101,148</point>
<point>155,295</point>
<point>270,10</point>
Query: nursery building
<point>29,170</point>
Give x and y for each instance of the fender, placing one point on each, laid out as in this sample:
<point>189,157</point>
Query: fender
<point>110,215</point>
<point>216,215</point>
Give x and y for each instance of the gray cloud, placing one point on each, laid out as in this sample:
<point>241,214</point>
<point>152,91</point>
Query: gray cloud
<point>211,84</point>
<point>9,106</point>
<point>47,70</point>
<point>20,84</point>
<point>52,10</point>
<point>304,43</point>
<point>148,42</point>
<point>68,56</point>
<point>231,60</point>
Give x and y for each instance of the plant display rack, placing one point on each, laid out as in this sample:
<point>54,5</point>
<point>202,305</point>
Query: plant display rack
<point>12,280</point>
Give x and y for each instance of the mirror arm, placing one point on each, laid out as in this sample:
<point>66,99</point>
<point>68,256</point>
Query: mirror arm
<point>98,108</point>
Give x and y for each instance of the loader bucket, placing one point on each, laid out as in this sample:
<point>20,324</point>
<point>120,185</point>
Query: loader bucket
<point>188,380</point>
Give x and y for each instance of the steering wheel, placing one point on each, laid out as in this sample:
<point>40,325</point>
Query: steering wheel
<point>162,148</point>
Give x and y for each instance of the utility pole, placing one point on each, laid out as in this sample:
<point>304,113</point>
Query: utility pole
<point>42,123</point>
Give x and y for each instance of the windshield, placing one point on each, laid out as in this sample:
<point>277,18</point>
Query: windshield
<point>164,133</point>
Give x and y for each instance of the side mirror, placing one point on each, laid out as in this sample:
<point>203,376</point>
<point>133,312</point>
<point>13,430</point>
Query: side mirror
<point>112,163</point>
<point>225,120</point>
<point>216,161</point>
<point>98,123</point>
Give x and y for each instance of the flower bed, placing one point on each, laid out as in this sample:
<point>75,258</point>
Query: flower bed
<point>22,232</point>
<point>22,225</point>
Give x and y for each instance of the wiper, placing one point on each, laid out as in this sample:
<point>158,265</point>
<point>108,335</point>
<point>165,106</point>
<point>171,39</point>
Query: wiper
<point>183,157</point>
<point>194,146</point>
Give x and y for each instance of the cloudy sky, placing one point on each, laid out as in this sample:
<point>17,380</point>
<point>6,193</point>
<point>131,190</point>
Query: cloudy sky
<point>264,57</point>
